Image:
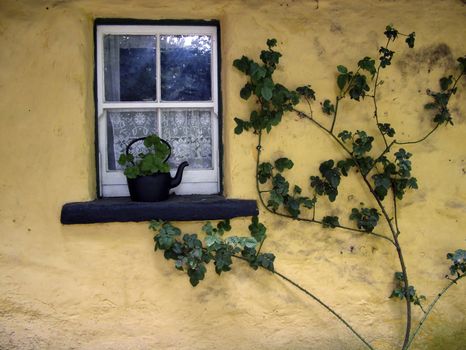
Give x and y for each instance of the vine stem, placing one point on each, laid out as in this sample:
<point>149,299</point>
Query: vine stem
<point>387,218</point>
<point>429,309</point>
<point>421,139</point>
<point>328,308</point>
<point>374,99</point>
<point>437,125</point>
<point>335,113</point>
<point>315,298</point>
<point>399,252</point>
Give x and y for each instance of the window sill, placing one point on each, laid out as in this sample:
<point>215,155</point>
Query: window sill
<point>176,208</point>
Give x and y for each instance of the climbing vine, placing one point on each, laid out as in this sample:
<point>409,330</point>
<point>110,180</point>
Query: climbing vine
<point>386,175</point>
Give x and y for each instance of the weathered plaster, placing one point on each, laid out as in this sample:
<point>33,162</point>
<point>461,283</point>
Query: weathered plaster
<point>102,287</point>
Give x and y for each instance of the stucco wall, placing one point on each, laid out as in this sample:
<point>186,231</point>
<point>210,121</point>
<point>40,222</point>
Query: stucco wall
<point>102,286</point>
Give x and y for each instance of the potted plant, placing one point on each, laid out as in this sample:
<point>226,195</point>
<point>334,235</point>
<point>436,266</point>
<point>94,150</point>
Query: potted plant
<point>148,173</point>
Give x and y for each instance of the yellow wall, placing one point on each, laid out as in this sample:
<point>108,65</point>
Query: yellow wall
<point>102,287</point>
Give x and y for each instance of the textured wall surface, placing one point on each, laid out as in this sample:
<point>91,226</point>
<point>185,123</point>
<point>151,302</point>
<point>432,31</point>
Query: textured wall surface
<point>102,287</point>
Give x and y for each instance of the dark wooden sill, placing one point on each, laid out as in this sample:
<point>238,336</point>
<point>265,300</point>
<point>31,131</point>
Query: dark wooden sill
<point>176,208</point>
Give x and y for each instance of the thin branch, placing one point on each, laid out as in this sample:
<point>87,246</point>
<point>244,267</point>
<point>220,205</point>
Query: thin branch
<point>400,256</point>
<point>308,293</point>
<point>309,104</point>
<point>306,116</point>
<point>422,308</point>
<point>395,212</point>
<point>386,216</point>
<point>429,309</point>
<point>421,139</point>
<point>376,115</point>
<point>328,308</point>
<point>335,113</point>
<point>437,125</point>
<point>259,150</point>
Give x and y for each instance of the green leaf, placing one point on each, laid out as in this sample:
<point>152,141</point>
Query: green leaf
<point>266,93</point>
<point>155,225</point>
<point>445,82</point>
<point>257,229</point>
<point>306,92</point>
<point>125,158</point>
<point>208,229</point>
<point>362,143</point>
<point>358,87</point>
<point>271,43</point>
<point>462,63</point>
<point>264,172</point>
<point>382,184</point>
<point>257,72</point>
<point>322,187</point>
<point>399,276</point>
<point>341,81</point>
<point>241,125</point>
<point>132,172</point>
<point>275,200</point>
<point>345,166</point>
<point>368,64</point>
<point>212,240</point>
<point>246,91</point>
<point>345,135</point>
<point>458,259</point>
<point>342,69</point>
<point>386,129</point>
<point>386,57</point>
<point>330,173</point>
<point>242,64</point>
<point>283,163</point>
<point>223,226</point>
<point>410,40</point>
<point>280,185</point>
<point>330,221</point>
<point>292,204</point>
<point>365,164</point>
<point>328,107</point>
<point>366,218</point>
<point>390,32</point>
<point>308,202</point>
<point>266,260</point>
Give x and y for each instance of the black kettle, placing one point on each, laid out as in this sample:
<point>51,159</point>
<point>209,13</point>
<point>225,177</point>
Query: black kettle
<point>154,187</point>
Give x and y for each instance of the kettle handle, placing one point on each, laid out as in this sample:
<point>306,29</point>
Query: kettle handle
<point>143,138</point>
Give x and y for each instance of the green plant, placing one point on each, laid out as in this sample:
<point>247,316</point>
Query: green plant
<point>386,173</point>
<point>149,162</point>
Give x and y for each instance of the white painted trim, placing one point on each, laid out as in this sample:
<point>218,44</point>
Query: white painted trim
<point>195,181</point>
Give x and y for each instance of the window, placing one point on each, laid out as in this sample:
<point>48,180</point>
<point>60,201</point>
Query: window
<point>159,79</point>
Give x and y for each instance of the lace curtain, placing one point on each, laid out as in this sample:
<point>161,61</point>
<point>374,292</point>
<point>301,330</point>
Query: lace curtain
<point>188,131</point>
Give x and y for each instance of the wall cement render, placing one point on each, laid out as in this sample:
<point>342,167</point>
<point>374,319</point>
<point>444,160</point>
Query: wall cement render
<point>102,287</point>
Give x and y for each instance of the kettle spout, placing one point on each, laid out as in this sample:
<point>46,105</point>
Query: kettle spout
<point>179,175</point>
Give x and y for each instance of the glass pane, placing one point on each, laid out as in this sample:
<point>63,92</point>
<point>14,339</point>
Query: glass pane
<point>124,126</point>
<point>189,132</point>
<point>185,62</point>
<point>129,67</point>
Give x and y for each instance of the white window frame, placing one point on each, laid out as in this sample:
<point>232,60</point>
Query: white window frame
<point>195,181</point>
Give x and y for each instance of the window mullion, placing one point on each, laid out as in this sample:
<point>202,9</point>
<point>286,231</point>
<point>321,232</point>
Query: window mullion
<point>158,70</point>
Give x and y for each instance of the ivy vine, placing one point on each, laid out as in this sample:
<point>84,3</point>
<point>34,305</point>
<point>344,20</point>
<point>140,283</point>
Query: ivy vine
<point>386,174</point>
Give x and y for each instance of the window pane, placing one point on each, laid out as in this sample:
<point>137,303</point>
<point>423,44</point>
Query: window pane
<point>185,62</point>
<point>124,126</point>
<point>189,132</point>
<point>129,67</point>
